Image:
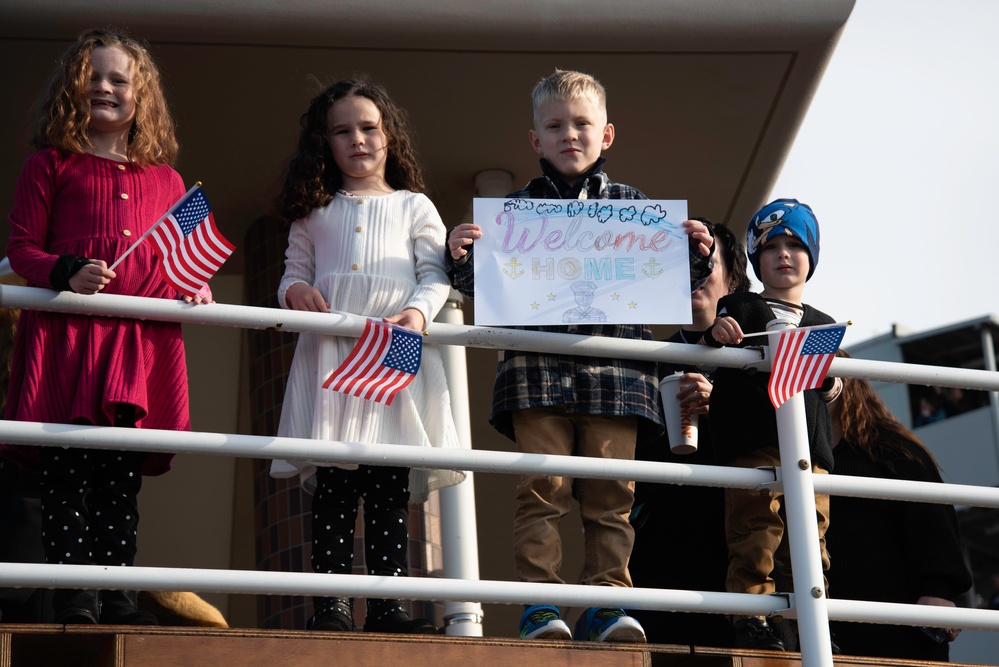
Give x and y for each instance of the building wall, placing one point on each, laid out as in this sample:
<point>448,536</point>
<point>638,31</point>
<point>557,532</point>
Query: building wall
<point>705,110</point>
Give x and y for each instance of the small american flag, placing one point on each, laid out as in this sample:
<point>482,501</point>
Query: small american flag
<point>802,360</point>
<point>383,362</point>
<point>190,246</point>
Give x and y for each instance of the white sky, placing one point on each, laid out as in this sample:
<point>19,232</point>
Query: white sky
<point>899,158</point>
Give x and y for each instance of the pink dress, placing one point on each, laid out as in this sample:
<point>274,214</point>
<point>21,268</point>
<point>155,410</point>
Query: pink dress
<point>74,369</point>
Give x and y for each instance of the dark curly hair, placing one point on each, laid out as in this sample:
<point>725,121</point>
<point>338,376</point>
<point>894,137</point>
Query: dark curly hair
<point>313,178</point>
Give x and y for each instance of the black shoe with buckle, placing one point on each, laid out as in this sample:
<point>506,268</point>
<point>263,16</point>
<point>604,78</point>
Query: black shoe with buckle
<point>756,633</point>
<point>121,608</point>
<point>332,615</point>
<point>390,616</point>
<point>75,607</point>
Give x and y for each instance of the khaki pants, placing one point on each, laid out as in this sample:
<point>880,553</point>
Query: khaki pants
<point>604,505</point>
<point>754,529</point>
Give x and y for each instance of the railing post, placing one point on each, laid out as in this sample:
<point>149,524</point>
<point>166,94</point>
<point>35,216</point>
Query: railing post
<point>989,355</point>
<point>459,532</point>
<point>802,533</point>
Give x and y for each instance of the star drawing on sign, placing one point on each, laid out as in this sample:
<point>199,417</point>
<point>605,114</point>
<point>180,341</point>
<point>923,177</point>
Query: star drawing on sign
<point>551,297</point>
<point>535,305</point>
<point>632,305</point>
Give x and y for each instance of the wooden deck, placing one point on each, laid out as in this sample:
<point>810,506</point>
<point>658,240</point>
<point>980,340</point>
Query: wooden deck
<point>111,646</point>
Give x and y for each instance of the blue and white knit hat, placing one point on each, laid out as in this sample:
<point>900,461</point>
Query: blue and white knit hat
<point>783,216</point>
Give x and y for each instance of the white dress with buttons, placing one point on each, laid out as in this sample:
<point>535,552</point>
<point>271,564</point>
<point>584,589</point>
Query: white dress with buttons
<point>373,256</point>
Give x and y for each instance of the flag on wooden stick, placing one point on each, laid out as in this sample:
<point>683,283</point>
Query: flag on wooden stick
<point>802,359</point>
<point>190,246</point>
<point>383,362</point>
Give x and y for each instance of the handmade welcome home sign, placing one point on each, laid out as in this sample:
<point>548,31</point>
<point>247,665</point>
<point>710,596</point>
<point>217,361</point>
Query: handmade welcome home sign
<point>596,261</point>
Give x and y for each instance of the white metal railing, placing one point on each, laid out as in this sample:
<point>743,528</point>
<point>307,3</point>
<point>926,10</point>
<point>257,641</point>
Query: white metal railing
<point>498,338</point>
<point>267,447</point>
<point>459,531</point>
<point>811,610</point>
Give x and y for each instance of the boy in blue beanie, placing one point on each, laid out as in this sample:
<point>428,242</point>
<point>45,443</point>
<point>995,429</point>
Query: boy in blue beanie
<point>783,248</point>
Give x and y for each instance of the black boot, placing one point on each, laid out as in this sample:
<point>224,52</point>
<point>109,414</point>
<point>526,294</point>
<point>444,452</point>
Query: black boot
<point>756,633</point>
<point>390,616</point>
<point>120,608</point>
<point>75,607</point>
<point>332,615</point>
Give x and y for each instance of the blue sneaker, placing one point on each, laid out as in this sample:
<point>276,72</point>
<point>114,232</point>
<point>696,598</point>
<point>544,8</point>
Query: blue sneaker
<point>543,622</point>
<point>609,625</point>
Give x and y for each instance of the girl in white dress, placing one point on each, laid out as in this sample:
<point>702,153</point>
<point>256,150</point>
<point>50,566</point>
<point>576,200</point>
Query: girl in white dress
<point>364,240</point>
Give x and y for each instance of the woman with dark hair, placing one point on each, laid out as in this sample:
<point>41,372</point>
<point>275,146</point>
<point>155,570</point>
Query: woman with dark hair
<point>889,550</point>
<point>665,513</point>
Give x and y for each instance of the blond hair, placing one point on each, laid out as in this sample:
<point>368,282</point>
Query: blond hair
<point>64,110</point>
<point>567,85</point>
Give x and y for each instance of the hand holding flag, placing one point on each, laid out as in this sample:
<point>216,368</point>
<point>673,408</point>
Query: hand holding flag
<point>383,362</point>
<point>190,247</point>
<point>802,359</point>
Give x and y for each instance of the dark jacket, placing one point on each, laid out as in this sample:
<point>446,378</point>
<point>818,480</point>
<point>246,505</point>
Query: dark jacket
<point>743,418</point>
<point>892,551</point>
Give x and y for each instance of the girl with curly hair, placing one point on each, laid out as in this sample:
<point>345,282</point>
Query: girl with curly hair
<point>100,178</point>
<point>363,239</point>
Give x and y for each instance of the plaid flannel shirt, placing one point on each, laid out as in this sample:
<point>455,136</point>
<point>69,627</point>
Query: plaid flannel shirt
<point>589,385</point>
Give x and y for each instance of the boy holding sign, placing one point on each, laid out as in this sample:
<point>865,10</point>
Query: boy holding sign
<point>571,405</point>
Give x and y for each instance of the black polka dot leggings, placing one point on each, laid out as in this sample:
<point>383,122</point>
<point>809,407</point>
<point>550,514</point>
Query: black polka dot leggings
<point>89,510</point>
<point>385,491</point>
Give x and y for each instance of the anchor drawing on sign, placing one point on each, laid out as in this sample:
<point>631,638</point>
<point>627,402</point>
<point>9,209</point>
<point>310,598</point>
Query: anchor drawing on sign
<point>513,272</point>
<point>653,272</point>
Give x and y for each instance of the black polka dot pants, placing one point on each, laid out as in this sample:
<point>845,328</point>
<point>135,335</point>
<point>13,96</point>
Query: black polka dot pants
<point>385,491</point>
<point>89,510</point>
